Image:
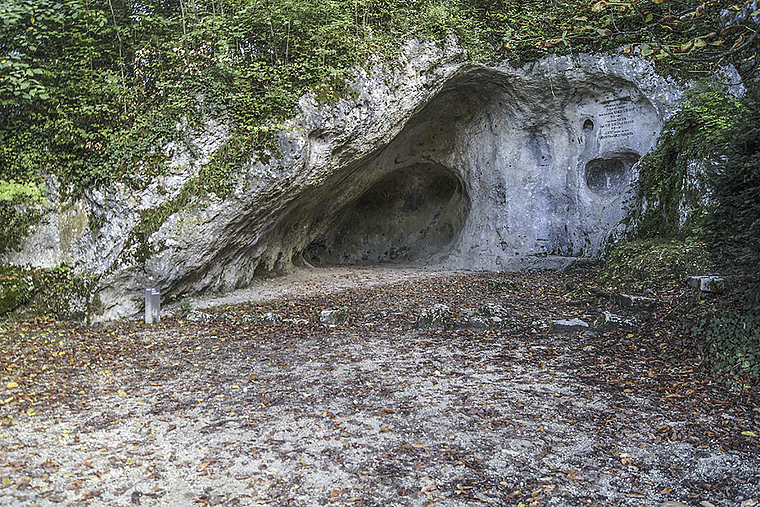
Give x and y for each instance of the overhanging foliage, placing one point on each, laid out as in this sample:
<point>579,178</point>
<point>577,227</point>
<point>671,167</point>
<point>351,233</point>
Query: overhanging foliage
<point>89,91</point>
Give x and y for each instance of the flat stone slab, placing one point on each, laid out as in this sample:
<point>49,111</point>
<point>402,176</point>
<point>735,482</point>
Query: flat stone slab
<point>608,321</point>
<point>569,326</point>
<point>333,317</point>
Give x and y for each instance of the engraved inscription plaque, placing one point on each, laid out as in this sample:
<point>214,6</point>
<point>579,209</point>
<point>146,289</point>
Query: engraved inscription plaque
<point>617,118</point>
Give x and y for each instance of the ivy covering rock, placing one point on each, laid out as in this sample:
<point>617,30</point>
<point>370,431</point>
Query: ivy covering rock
<point>58,292</point>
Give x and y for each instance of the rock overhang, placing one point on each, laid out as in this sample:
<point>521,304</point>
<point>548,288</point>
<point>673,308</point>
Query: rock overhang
<point>542,164</point>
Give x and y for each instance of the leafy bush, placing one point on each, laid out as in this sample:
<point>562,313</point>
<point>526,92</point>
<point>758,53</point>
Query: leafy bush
<point>733,345</point>
<point>733,224</point>
<point>720,137</point>
<point>645,265</point>
<point>35,292</point>
<point>90,91</point>
<point>673,183</point>
<point>16,288</point>
<point>20,207</point>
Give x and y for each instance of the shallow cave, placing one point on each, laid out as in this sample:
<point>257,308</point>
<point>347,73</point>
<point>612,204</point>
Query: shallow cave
<point>611,175</point>
<point>410,215</point>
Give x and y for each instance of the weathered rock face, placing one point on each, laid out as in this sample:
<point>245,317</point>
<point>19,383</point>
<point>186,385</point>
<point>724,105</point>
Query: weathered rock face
<point>436,160</point>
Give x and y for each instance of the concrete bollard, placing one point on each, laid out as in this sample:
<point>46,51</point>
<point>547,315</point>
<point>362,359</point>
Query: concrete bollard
<point>152,306</point>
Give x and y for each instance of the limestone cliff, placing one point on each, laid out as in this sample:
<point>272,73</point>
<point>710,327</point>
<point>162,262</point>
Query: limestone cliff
<point>433,159</point>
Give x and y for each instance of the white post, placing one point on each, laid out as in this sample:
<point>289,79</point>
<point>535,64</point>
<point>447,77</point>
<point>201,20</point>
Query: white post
<point>152,306</point>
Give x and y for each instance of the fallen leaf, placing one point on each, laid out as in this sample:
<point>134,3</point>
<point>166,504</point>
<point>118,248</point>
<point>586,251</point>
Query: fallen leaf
<point>417,444</point>
<point>11,385</point>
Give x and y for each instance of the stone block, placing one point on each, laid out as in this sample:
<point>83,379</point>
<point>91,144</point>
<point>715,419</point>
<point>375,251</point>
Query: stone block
<point>707,283</point>
<point>608,321</point>
<point>272,319</point>
<point>636,303</point>
<point>492,310</point>
<point>437,316</point>
<point>333,317</point>
<point>199,316</point>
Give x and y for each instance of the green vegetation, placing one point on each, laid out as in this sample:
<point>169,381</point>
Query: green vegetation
<point>732,225</point>
<point>642,266</point>
<point>702,183</point>
<point>91,91</point>
<point>733,342</point>
<point>698,212</point>
<point>673,178</point>
<point>16,288</point>
<point>20,207</point>
<point>35,292</point>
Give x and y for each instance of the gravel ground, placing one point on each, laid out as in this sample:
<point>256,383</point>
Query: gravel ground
<point>225,410</point>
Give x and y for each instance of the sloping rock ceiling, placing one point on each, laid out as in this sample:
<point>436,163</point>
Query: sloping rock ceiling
<point>433,160</point>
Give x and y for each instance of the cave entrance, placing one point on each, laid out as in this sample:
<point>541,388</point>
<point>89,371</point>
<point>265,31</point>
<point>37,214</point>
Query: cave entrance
<point>411,215</point>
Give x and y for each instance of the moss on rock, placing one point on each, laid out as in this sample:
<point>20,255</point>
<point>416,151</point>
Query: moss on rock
<point>58,292</point>
<point>16,288</point>
<point>645,265</point>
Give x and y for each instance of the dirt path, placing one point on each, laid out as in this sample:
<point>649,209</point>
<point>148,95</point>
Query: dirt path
<point>374,412</point>
<point>318,281</point>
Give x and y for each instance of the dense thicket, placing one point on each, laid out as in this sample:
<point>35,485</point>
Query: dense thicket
<point>732,225</point>
<point>702,185</point>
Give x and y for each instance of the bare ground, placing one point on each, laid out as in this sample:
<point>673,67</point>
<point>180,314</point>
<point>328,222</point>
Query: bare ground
<point>375,412</point>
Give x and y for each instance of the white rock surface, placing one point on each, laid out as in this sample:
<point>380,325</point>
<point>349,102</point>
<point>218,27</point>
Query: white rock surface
<point>569,326</point>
